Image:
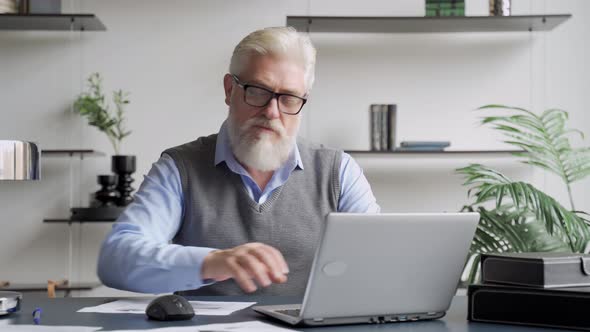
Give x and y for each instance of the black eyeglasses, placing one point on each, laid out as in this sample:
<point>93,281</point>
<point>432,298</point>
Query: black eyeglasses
<point>259,97</point>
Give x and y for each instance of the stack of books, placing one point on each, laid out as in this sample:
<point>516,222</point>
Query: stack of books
<point>423,145</point>
<point>382,126</point>
<point>8,7</point>
<point>445,7</point>
<point>537,289</point>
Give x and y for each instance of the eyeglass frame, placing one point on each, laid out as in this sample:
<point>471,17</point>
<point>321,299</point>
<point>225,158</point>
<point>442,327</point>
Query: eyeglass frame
<point>274,95</point>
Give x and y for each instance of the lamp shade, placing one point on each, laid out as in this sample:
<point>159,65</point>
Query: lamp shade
<point>19,160</point>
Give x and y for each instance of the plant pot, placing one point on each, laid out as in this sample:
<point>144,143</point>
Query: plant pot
<point>124,166</point>
<point>108,194</point>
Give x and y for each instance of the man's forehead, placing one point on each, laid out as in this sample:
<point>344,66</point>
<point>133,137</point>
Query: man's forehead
<point>285,85</point>
<point>275,73</point>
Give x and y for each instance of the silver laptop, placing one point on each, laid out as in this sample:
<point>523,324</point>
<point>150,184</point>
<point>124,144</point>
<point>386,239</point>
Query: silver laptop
<point>377,268</point>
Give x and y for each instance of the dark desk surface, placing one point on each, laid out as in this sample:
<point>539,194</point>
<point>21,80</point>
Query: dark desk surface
<point>62,311</point>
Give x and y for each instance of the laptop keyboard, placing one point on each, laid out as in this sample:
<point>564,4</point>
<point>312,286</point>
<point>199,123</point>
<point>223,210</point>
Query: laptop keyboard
<point>290,312</point>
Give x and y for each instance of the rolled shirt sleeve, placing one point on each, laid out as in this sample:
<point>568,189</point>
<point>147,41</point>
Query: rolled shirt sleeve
<point>355,191</point>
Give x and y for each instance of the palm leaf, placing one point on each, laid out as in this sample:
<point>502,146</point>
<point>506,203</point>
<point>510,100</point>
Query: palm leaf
<point>544,138</point>
<point>577,163</point>
<point>558,221</point>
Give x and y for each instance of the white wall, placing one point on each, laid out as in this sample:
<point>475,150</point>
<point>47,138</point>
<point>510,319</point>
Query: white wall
<point>172,55</point>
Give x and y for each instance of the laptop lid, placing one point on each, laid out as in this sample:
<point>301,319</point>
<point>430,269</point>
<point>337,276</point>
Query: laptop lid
<point>389,263</point>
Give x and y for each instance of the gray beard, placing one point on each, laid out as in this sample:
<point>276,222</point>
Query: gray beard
<point>261,153</point>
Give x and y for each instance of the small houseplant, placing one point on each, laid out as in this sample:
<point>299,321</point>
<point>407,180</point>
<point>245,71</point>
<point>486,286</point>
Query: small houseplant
<point>93,105</point>
<point>515,215</point>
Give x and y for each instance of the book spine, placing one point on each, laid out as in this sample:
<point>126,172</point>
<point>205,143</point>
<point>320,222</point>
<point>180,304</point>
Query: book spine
<point>384,127</point>
<point>391,126</point>
<point>375,128</point>
<point>23,7</point>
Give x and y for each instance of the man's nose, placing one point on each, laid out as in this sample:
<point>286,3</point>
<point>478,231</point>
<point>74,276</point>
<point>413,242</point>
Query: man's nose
<point>271,110</point>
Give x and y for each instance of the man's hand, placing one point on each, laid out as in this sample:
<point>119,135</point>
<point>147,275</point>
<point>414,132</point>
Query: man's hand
<point>245,263</point>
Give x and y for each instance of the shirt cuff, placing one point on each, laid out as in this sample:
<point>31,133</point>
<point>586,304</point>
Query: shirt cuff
<point>189,274</point>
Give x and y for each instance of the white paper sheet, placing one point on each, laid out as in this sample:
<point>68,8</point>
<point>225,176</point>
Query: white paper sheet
<point>251,326</point>
<point>137,306</point>
<point>48,328</point>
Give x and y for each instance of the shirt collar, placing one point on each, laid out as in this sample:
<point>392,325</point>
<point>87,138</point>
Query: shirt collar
<point>223,153</point>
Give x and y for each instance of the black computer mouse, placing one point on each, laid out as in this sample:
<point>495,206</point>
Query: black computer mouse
<point>170,307</point>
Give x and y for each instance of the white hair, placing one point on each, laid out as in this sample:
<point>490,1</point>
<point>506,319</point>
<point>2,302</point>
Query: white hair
<point>278,41</point>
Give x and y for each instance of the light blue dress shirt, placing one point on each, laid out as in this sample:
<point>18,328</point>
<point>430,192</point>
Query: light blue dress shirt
<point>137,254</point>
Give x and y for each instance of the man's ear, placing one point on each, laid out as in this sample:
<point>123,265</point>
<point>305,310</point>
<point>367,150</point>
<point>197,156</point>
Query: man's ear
<point>228,87</point>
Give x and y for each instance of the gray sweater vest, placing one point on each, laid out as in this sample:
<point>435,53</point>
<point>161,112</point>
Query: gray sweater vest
<point>219,213</point>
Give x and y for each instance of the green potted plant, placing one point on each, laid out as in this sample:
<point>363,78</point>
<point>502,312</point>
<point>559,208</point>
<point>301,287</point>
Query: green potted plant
<point>516,216</point>
<point>92,104</point>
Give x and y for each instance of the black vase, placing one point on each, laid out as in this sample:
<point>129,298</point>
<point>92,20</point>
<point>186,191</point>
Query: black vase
<point>107,195</point>
<point>124,166</point>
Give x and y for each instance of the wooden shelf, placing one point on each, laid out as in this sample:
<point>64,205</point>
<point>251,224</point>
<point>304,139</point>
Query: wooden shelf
<point>43,286</point>
<point>51,22</point>
<point>428,24</point>
<point>90,215</point>
<point>71,152</point>
<point>70,221</point>
<point>450,152</point>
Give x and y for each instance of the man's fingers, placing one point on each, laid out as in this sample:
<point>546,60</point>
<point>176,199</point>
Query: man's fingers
<point>241,276</point>
<point>279,257</point>
<point>249,264</point>
<point>255,269</point>
<point>273,264</point>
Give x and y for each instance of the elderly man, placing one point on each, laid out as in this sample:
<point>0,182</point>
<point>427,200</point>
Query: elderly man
<point>241,210</point>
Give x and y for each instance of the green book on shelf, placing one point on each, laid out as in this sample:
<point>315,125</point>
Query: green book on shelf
<point>444,2</point>
<point>431,12</point>
<point>445,8</point>
<point>452,12</point>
